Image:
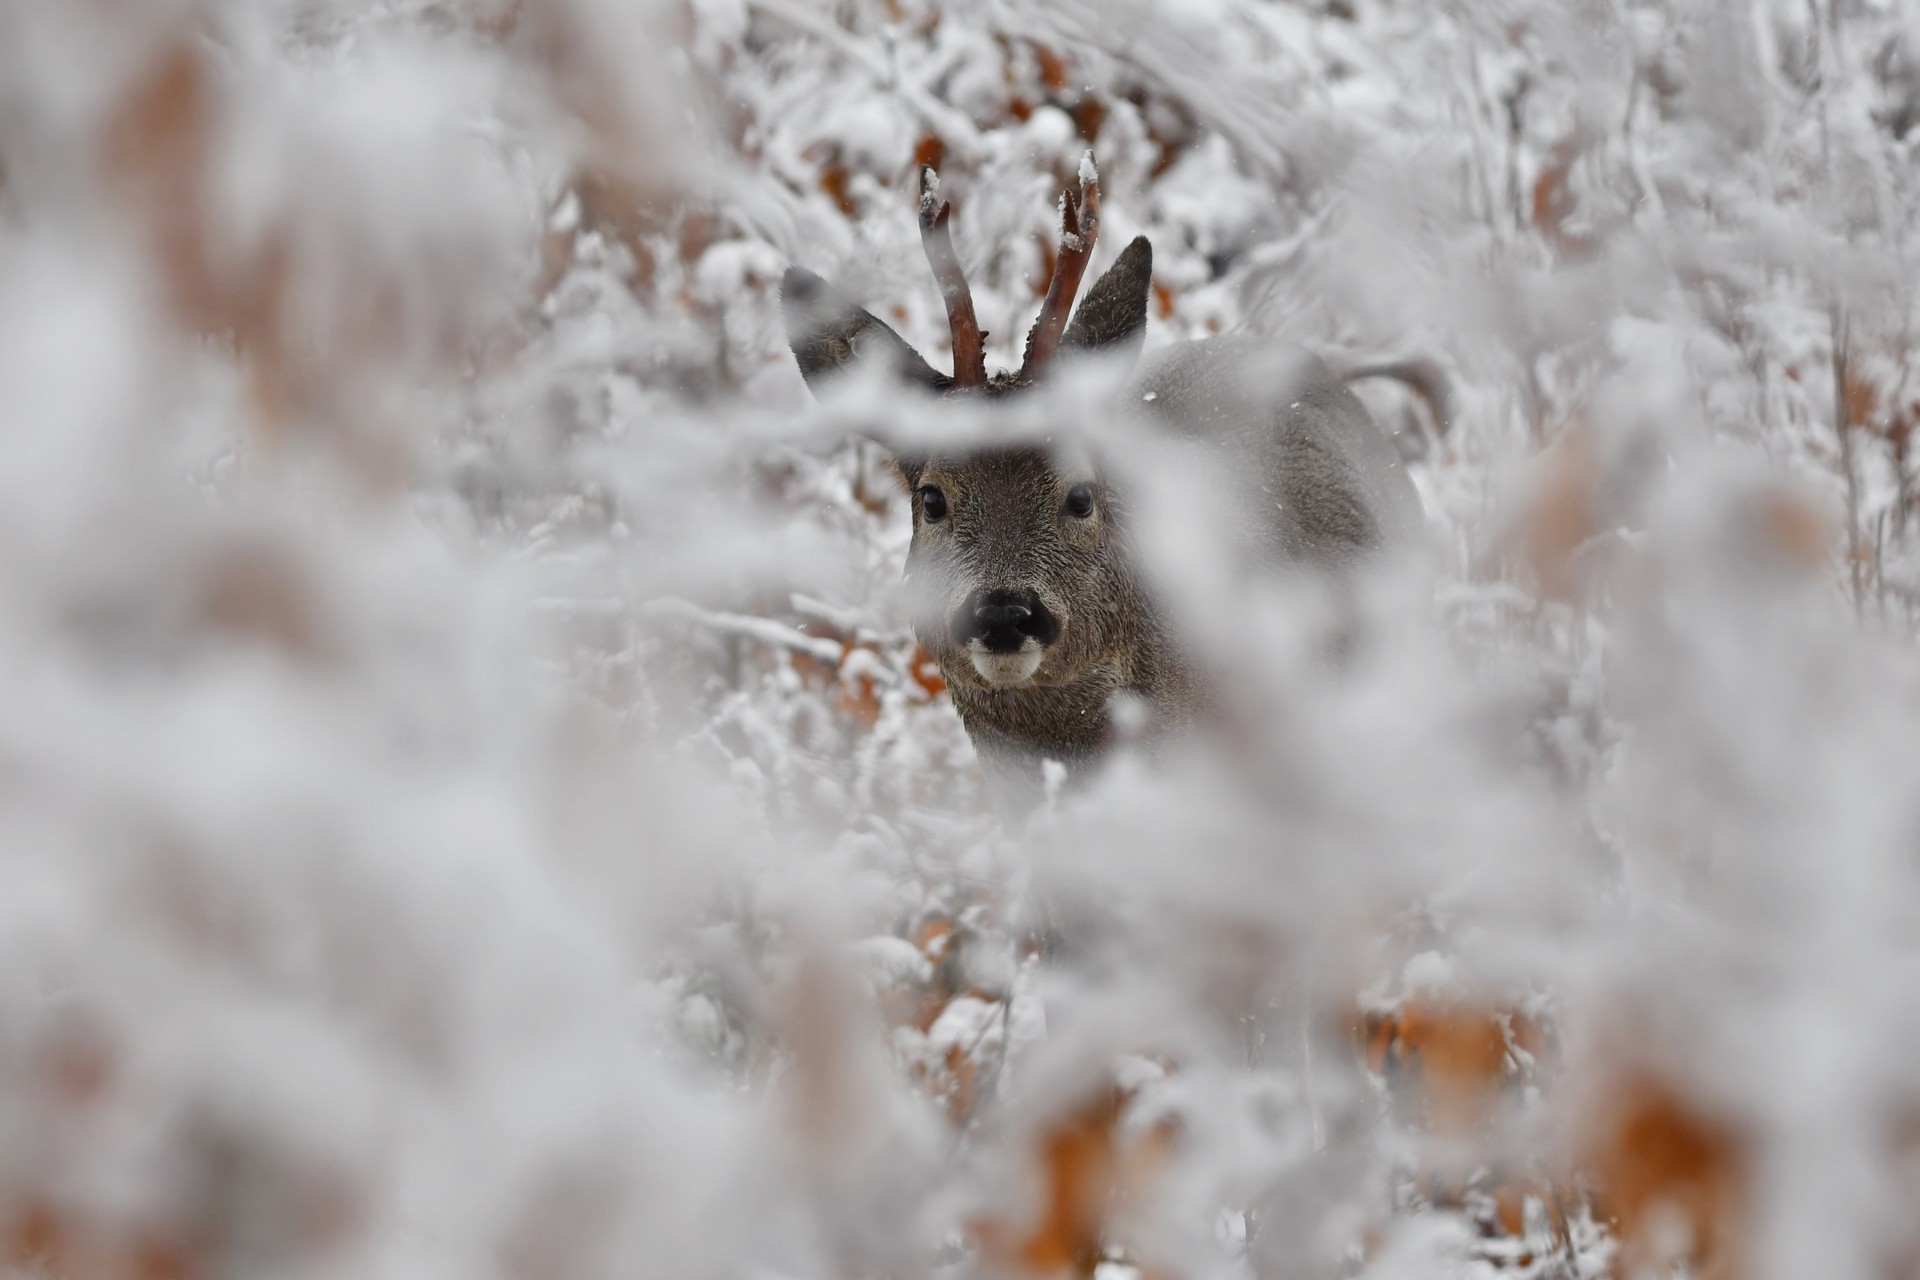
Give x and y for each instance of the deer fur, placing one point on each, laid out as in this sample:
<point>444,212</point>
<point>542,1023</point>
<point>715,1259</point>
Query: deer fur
<point>1034,608</point>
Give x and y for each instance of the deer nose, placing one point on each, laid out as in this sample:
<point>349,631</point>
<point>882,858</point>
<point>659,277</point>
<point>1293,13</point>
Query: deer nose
<point>1004,621</point>
<point>1001,615</point>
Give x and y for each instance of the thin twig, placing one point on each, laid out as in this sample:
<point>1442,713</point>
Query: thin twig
<point>1843,427</point>
<point>764,630</point>
<point>992,1078</point>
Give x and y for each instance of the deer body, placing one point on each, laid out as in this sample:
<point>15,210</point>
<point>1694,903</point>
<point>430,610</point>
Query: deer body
<point>1023,574</point>
<point>1324,484</point>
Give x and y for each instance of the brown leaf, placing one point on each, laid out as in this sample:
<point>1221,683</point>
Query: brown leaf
<point>1553,203</point>
<point>37,1233</point>
<point>859,698</point>
<point>962,1083</point>
<point>1455,1057</point>
<point>1053,67</point>
<point>929,153</point>
<point>161,1258</point>
<point>1795,529</point>
<point>926,672</point>
<point>1861,402</point>
<point>1562,515</point>
<point>1078,1169</point>
<point>1655,1156</point>
<point>260,594</point>
<point>157,147</point>
<point>834,181</point>
<point>1089,114</point>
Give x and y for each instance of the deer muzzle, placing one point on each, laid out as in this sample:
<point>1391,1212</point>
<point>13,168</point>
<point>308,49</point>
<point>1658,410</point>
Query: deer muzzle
<point>1005,634</point>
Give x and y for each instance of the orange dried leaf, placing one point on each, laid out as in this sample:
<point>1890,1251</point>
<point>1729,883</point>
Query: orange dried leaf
<point>932,1005</point>
<point>1859,400</point>
<point>1078,1166</point>
<point>1461,1053</point>
<point>963,1082</point>
<point>1089,114</point>
<point>834,181</point>
<point>1654,1157</point>
<point>929,153</point>
<point>158,1258</point>
<point>1053,67</point>
<point>157,146</point>
<point>926,672</point>
<point>1563,515</point>
<point>859,694</point>
<point>1526,1034</point>
<point>1796,530</point>
<point>1090,1177</point>
<point>1553,203</point>
<point>933,936</point>
<point>36,1232</point>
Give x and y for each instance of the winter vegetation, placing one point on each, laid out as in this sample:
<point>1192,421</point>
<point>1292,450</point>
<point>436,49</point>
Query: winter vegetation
<point>471,802</point>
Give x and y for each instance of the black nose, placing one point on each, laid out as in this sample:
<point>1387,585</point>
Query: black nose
<point>1004,620</point>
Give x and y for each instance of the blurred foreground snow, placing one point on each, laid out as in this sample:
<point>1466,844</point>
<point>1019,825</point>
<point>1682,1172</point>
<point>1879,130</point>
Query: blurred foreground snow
<point>470,804</point>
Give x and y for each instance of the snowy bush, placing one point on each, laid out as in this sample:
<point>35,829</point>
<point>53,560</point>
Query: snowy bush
<point>471,804</point>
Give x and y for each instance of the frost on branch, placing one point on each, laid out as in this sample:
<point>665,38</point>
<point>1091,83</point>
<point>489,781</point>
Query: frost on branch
<point>473,804</point>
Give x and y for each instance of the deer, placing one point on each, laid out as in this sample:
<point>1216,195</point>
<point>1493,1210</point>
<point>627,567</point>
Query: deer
<point>1028,588</point>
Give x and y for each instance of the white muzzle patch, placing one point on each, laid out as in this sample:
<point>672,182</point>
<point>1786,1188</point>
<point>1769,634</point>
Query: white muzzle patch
<point>1004,669</point>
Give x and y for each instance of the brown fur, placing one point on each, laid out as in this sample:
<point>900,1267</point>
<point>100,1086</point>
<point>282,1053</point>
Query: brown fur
<point>1007,529</point>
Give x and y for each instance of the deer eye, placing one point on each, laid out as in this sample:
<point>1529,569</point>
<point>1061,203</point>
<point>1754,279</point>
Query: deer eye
<point>933,503</point>
<point>1080,501</point>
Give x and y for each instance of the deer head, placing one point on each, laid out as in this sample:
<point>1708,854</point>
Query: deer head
<point>1018,563</point>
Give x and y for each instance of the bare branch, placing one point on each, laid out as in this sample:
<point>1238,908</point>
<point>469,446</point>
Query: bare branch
<point>1079,229</point>
<point>969,344</point>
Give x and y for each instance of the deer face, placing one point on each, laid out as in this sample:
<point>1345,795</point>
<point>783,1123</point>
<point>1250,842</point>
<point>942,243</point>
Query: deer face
<point>1017,571</point>
<point>1017,567</point>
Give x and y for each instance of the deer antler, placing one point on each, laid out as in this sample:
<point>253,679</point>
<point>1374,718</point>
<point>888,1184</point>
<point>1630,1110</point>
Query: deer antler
<point>969,344</point>
<point>1079,228</point>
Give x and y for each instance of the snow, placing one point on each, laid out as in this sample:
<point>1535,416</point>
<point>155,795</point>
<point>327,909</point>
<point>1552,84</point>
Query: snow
<point>471,802</point>
<point>929,193</point>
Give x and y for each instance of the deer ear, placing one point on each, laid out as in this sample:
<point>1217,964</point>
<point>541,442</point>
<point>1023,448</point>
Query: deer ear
<point>1113,316</point>
<point>830,335</point>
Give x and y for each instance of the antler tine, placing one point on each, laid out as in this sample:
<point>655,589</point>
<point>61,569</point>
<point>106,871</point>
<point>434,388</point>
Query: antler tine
<point>969,344</point>
<point>1080,227</point>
